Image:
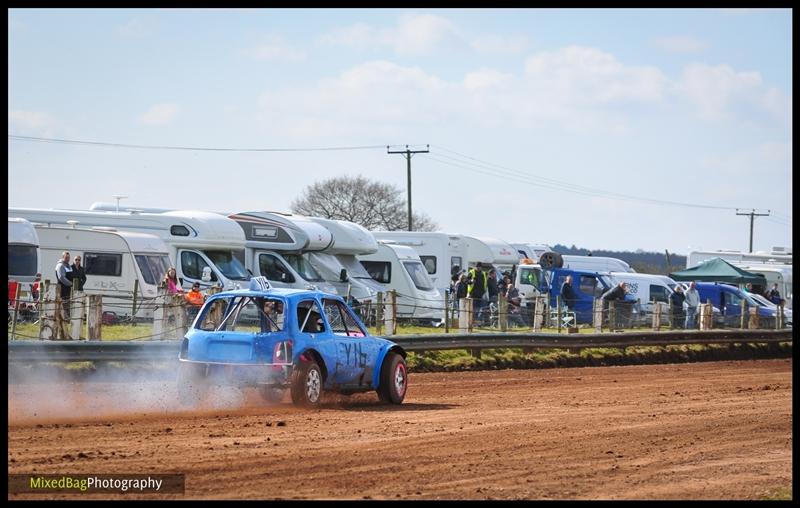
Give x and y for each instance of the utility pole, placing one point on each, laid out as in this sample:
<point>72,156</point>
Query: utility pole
<point>752,215</point>
<point>408,153</point>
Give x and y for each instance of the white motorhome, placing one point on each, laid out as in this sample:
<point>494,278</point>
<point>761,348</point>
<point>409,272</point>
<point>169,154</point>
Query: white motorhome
<point>596,263</point>
<point>196,240</point>
<point>275,244</point>
<point>114,260</point>
<point>338,263</point>
<point>23,251</point>
<point>781,255</point>
<point>399,267</point>
<point>440,253</point>
<point>504,256</point>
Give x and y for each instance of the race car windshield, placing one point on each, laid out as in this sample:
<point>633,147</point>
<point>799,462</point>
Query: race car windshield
<point>249,314</point>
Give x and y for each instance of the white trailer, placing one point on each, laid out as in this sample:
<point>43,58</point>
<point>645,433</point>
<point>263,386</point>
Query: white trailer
<point>275,244</point>
<point>399,267</point>
<point>196,240</point>
<point>782,255</point>
<point>113,260</point>
<point>23,251</point>
<point>773,273</point>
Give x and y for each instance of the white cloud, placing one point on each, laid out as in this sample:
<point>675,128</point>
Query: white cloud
<point>721,93</point>
<point>414,34</point>
<point>31,122</point>
<point>159,114</point>
<point>511,44</point>
<point>681,44</point>
<point>275,49</point>
<point>137,27</point>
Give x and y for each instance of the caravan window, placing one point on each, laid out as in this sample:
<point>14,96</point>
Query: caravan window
<point>418,275</point>
<point>342,323</point>
<point>379,270</point>
<point>192,265</point>
<point>153,268</point>
<point>103,264</point>
<point>429,262</point>
<point>273,269</point>
<point>659,293</point>
<point>179,231</point>
<point>22,260</point>
<point>455,261</point>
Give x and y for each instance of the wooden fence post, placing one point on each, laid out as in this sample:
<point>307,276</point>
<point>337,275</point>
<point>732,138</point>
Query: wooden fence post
<point>47,308</point>
<point>447,312</point>
<point>76,314</point>
<point>779,316</point>
<point>158,312</point>
<point>502,311</point>
<point>16,311</point>
<point>612,315</point>
<point>597,316</point>
<point>558,313</point>
<point>95,317</point>
<point>754,318</point>
<point>743,312</point>
<point>379,314</point>
<point>463,315</point>
<point>671,315</point>
<point>133,307</point>
<point>391,314</point>
<point>656,316</point>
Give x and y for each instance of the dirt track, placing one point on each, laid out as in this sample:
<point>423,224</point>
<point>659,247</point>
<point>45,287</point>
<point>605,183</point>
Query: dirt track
<point>720,430</point>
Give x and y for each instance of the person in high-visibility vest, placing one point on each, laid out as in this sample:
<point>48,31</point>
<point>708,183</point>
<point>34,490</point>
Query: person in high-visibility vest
<point>478,282</point>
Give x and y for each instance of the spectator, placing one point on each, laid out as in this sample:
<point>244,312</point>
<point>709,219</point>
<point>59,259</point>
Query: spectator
<point>617,293</point>
<point>491,285</point>
<point>460,289</point>
<point>514,301</point>
<point>690,304</point>
<point>476,289</point>
<point>172,282</point>
<point>78,274</point>
<point>35,287</point>
<point>194,301</point>
<point>748,288</point>
<point>568,296</point>
<point>774,295</point>
<point>64,278</point>
<point>677,298</point>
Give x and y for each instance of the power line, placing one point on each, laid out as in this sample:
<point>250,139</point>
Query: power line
<point>190,148</point>
<point>498,170</point>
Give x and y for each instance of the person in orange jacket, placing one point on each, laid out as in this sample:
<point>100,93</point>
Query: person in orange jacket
<point>194,300</point>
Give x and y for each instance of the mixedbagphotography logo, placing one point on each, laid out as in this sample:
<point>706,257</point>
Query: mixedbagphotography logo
<point>101,483</point>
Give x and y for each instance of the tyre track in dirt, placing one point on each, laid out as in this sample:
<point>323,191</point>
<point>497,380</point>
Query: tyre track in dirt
<point>715,430</point>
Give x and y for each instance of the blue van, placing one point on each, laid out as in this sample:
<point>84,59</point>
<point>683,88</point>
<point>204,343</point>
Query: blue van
<point>728,299</point>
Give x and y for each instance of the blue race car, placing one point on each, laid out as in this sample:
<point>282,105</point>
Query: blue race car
<point>285,339</point>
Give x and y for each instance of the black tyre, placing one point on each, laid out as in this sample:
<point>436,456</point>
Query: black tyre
<point>191,383</point>
<point>550,260</point>
<point>271,394</point>
<point>306,384</point>
<point>394,379</point>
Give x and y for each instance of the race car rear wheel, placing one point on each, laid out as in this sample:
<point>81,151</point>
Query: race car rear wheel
<point>272,394</point>
<point>394,379</point>
<point>307,384</point>
<point>191,382</point>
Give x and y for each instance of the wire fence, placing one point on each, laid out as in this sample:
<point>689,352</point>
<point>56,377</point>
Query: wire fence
<point>85,316</point>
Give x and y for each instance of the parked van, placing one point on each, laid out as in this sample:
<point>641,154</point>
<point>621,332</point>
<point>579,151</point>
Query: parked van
<point>114,260</point>
<point>399,267</point>
<point>729,299</point>
<point>646,288</point>
<point>23,252</point>
<point>196,240</point>
<point>440,253</point>
<point>596,263</point>
<point>275,245</point>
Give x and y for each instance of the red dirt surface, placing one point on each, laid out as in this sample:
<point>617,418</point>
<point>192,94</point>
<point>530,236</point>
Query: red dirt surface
<point>717,430</point>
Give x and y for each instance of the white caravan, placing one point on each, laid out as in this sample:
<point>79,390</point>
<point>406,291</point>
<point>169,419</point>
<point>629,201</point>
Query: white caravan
<point>778,255</point>
<point>338,263</point>
<point>773,273</point>
<point>399,267</point>
<point>202,245</point>
<point>531,250</point>
<point>439,252</point>
<point>113,261</point>
<point>23,251</point>
<point>503,256</point>
<point>275,244</point>
<point>596,264</point>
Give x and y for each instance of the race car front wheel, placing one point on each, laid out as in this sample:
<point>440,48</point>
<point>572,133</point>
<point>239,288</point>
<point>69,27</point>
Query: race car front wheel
<point>307,384</point>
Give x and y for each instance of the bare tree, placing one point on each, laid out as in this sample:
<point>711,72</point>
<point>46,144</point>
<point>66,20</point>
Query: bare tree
<point>376,206</point>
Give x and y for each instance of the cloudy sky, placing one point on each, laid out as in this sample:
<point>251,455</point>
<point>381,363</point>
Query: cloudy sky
<point>603,128</point>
